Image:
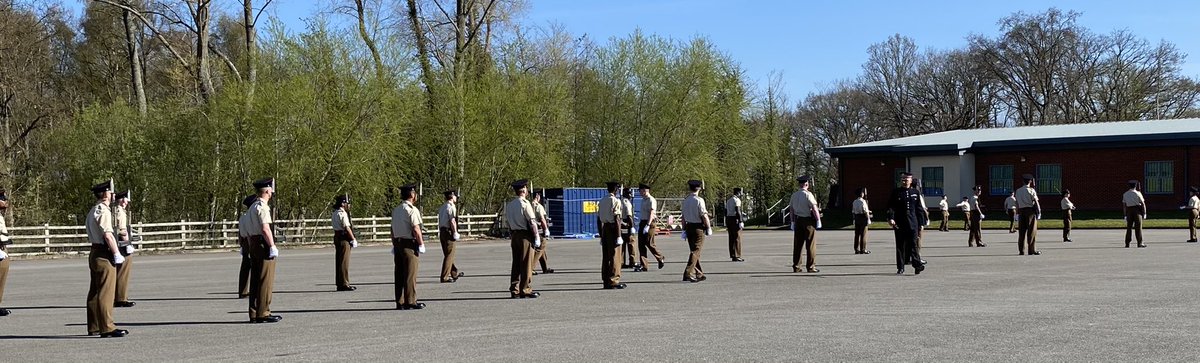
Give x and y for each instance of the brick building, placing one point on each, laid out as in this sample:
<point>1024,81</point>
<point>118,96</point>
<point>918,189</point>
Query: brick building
<point>1093,160</point>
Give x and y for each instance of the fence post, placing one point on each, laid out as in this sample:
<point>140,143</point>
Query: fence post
<point>224,234</point>
<point>47,234</point>
<point>374,228</point>
<point>182,235</point>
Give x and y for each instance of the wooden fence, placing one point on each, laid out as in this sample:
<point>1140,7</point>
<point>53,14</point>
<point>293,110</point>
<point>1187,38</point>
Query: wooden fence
<point>183,235</point>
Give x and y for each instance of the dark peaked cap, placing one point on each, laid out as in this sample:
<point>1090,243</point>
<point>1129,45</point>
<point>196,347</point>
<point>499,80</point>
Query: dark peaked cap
<point>123,195</point>
<point>1027,176</point>
<point>103,187</point>
<point>517,185</point>
<point>265,183</point>
<point>249,200</point>
<point>695,184</point>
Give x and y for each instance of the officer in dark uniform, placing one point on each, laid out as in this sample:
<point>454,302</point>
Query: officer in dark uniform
<point>904,206</point>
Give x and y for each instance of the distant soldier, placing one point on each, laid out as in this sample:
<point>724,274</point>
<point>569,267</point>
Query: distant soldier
<point>343,241</point>
<point>543,222</point>
<point>922,213</point>
<point>408,244</point>
<point>244,247</point>
<point>903,216</point>
<point>1067,208</point>
<point>806,219</point>
<point>965,207</point>
<point>102,261</point>
<point>1135,212</point>
<point>519,216</point>
<point>262,253</point>
<point>735,219</point>
<point>945,207</point>
<point>647,228</point>
<point>1010,207</point>
<point>1193,209</point>
<point>1030,210</point>
<point>5,240</point>
<point>862,219</point>
<point>696,225</point>
<point>121,225</point>
<point>609,223</point>
<point>976,235</point>
<point>448,236</point>
<point>627,244</point>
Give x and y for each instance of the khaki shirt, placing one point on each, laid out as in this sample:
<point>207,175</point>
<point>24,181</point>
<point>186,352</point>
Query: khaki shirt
<point>539,212</point>
<point>626,209</point>
<point>733,206</point>
<point>648,207</point>
<point>1010,203</point>
<point>1133,198</point>
<point>1026,197</point>
<point>404,218</point>
<point>861,207</point>
<point>3,224</point>
<point>341,220</point>
<point>966,207</point>
<point>519,213</point>
<point>694,209</point>
<point>244,224</point>
<point>1193,203</point>
<point>975,203</point>
<point>944,206</point>
<point>120,221</point>
<point>259,217</point>
<point>446,215</point>
<point>803,203</point>
<point>610,209</point>
<point>99,222</point>
<point>1066,204</point>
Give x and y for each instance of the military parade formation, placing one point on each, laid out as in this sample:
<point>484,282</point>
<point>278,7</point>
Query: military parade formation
<point>112,250</point>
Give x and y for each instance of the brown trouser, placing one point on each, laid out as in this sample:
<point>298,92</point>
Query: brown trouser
<point>610,260</point>
<point>3,274</point>
<point>122,293</point>
<point>695,238</point>
<point>945,227</point>
<point>262,278</point>
<point>1066,225</point>
<point>646,244</point>
<point>628,250</point>
<point>341,258</point>
<point>100,294</point>
<point>1133,224</point>
<point>804,238</point>
<point>1195,214</point>
<point>735,237</point>
<point>1012,219</point>
<point>449,270</point>
<point>1027,230</point>
<point>522,264</point>
<point>966,220</point>
<point>976,235</point>
<point>860,232</point>
<point>244,272</point>
<point>407,262</point>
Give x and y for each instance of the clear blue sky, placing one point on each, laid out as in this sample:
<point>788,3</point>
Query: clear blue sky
<point>815,43</point>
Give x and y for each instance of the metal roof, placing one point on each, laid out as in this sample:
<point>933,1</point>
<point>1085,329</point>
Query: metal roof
<point>1123,133</point>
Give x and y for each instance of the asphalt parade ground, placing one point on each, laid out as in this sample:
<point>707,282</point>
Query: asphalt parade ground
<point>1091,300</point>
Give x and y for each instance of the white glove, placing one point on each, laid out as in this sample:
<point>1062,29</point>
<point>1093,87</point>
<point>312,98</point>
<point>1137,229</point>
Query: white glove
<point>393,250</point>
<point>421,248</point>
<point>537,242</point>
<point>353,243</point>
<point>273,253</point>
<point>456,236</point>
<point>981,216</point>
<point>1039,217</point>
<point>708,232</point>
<point>3,255</point>
<point>118,259</point>
<point>1144,217</point>
<point>129,250</point>
<point>646,229</point>
<point>818,224</point>
<point>741,225</point>
<point>546,233</point>
<point>683,234</point>
<point>792,226</point>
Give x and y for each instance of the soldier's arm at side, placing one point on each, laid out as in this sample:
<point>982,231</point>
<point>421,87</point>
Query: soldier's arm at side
<point>346,226</point>
<point>268,235</point>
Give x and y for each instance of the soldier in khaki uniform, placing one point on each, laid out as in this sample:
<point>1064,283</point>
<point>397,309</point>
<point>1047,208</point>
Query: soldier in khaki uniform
<point>1010,207</point>
<point>543,221</point>
<point>1193,209</point>
<point>630,252</point>
<point>806,219</point>
<point>4,242</point>
<point>448,235</point>
<point>244,247</point>
<point>1135,212</point>
<point>102,261</point>
<point>976,235</point>
<point>609,223</point>
<point>647,229</point>
<point>1030,210</point>
<point>862,218</point>
<point>945,207</point>
<point>343,242</point>
<point>261,239</point>
<point>735,219</point>
<point>1067,208</point>
<point>696,226</point>
<point>408,244</point>
<point>519,216</point>
<point>121,225</point>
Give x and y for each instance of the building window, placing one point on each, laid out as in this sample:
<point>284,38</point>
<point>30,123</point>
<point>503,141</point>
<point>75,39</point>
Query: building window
<point>1000,180</point>
<point>1049,179</point>
<point>932,181</point>
<point>1160,177</point>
